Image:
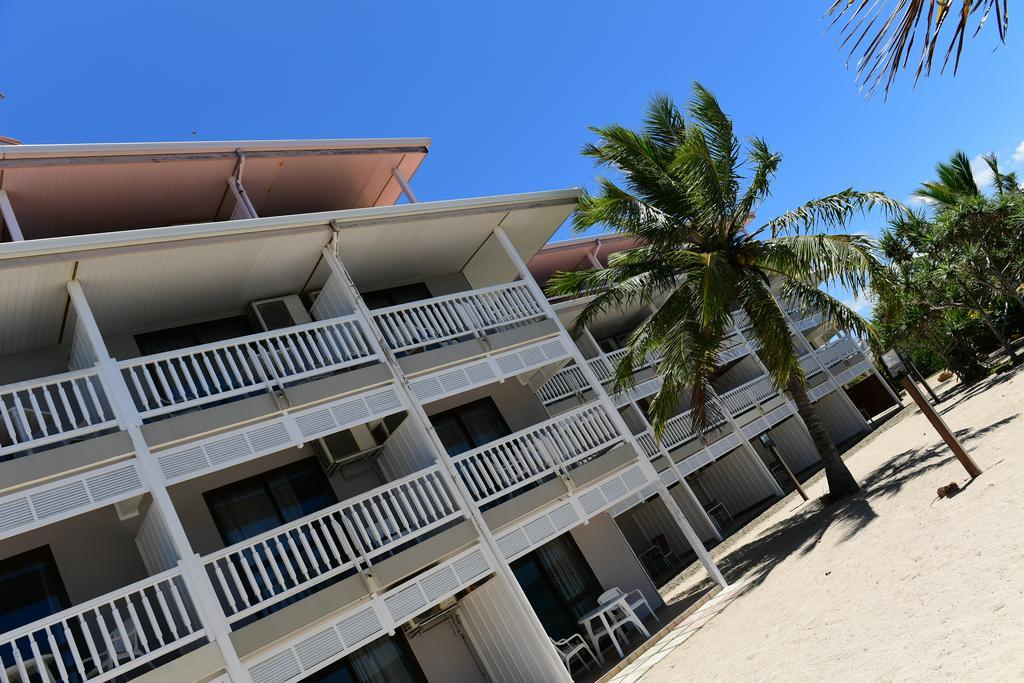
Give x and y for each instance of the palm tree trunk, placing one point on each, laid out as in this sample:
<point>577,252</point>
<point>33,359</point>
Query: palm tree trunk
<point>999,336</point>
<point>840,481</point>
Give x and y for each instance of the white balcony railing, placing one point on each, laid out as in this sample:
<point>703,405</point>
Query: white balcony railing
<point>254,574</point>
<point>733,348</point>
<point>411,326</point>
<point>51,410</point>
<point>837,351</point>
<point>809,365</point>
<point>563,384</point>
<point>104,638</point>
<point>185,378</point>
<point>745,396</point>
<point>551,447</point>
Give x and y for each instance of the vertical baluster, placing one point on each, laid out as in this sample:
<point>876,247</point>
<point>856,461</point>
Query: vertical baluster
<point>310,555</point>
<point>282,554</point>
<point>72,418</point>
<point>76,656</point>
<point>151,619</point>
<point>326,529</point>
<point>250,581</point>
<point>90,643</point>
<point>397,502</point>
<point>231,607</point>
<point>20,420</point>
<point>187,369</point>
<point>19,663</point>
<point>229,356</point>
<point>41,669</point>
<point>271,558</point>
<point>169,619</point>
<point>174,369</point>
<point>186,618</point>
<point>101,624</point>
<point>315,529</point>
<point>8,425</point>
<point>139,625</point>
<point>468,476</point>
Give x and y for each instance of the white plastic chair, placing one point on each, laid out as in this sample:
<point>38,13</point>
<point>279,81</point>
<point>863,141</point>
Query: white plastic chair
<point>574,646</point>
<point>634,599</point>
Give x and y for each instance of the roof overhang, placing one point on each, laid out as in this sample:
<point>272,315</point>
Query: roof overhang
<point>59,190</point>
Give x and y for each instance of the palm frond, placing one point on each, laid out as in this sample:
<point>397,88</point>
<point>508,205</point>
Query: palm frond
<point>883,43</point>
<point>832,211</point>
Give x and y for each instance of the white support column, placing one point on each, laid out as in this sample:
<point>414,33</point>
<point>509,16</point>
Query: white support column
<point>403,183</point>
<point>193,573</point>
<point>828,374</point>
<point>7,211</point>
<point>503,572</point>
<point>609,406</point>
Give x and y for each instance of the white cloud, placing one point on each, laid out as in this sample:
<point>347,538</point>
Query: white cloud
<point>915,200</point>
<point>861,304</point>
<point>1018,154</point>
<point>983,176</point>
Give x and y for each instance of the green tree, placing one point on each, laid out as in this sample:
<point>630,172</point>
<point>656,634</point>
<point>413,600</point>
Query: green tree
<point>684,197</point>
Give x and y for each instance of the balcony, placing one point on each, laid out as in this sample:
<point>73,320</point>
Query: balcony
<point>105,638</point>
<point>196,376</point>
<point>413,327</point>
<point>837,351</point>
<point>261,572</point>
<point>47,412</point>
<point>554,448</point>
<point>748,395</point>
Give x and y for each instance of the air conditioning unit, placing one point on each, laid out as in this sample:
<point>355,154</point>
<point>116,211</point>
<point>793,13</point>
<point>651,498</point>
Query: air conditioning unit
<point>361,442</point>
<point>283,311</point>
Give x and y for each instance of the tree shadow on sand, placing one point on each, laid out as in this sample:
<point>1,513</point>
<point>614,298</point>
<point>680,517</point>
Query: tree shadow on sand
<point>801,532</point>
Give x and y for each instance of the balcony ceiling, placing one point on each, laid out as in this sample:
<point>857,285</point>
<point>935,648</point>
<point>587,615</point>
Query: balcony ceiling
<point>152,279</point>
<point>59,190</point>
<point>570,255</point>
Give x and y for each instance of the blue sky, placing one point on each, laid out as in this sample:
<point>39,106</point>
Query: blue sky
<point>506,90</point>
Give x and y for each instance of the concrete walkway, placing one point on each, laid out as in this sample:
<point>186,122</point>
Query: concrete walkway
<point>634,667</point>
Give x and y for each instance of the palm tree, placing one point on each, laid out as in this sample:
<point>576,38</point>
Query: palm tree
<point>684,200</point>
<point>884,41</point>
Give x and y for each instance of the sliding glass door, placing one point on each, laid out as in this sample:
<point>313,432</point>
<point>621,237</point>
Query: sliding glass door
<point>385,660</point>
<point>559,583</point>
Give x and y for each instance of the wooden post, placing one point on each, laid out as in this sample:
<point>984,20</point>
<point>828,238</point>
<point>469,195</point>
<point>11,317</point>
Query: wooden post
<point>789,473</point>
<point>940,426</point>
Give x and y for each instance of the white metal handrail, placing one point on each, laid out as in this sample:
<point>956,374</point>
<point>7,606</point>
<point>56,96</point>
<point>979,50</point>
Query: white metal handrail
<point>743,397</point>
<point>553,446</point>
<point>444,318</point>
<point>809,365</point>
<point>106,637</point>
<point>836,351</point>
<point>184,378</point>
<point>252,575</point>
<point>566,382</point>
<point>52,409</point>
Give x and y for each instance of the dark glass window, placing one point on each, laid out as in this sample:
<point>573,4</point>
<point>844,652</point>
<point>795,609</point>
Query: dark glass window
<point>193,335</point>
<point>393,296</point>
<point>257,504</point>
<point>469,426</point>
<point>30,589</point>
<point>385,660</point>
<point>559,584</point>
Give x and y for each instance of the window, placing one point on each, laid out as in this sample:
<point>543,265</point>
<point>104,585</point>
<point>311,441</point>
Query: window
<point>193,335</point>
<point>251,506</point>
<point>386,660</point>
<point>559,584</point>
<point>30,589</point>
<point>469,426</point>
<point>393,296</point>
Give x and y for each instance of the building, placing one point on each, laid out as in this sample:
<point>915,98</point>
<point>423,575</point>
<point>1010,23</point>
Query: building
<point>261,421</point>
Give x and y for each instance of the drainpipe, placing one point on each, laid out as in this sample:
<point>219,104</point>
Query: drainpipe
<point>235,181</point>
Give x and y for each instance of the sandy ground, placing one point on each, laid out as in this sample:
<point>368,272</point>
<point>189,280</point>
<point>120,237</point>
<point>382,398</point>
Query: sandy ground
<point>893,584</point>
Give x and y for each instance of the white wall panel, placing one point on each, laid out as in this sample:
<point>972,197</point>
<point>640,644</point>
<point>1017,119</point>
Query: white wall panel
<point>612,559</point>
<point>407,450</point>
<point>794,444</point>
<point>736,481</point>
<point>332,301</point>
<point>155,544</point>
<point>507,647</point>
<point>838,418</point>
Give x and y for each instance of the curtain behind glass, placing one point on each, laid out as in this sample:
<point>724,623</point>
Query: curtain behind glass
<point>570,575</point>
<point>383,661</point>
